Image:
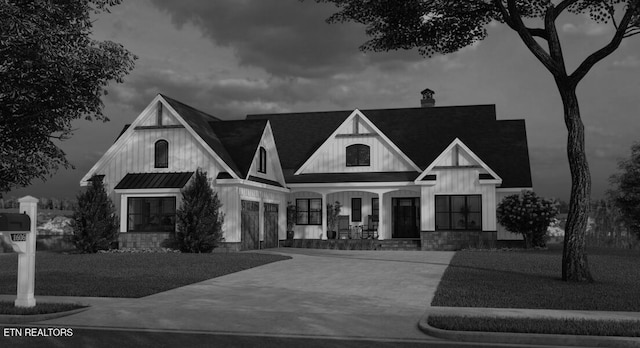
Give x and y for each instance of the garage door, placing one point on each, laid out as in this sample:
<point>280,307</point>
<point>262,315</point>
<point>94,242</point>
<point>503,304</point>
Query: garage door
<point>270,225</point>
<point>250,225</point>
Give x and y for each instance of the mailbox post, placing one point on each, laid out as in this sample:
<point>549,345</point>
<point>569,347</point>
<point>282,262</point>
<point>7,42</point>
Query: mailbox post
<point>19,230</point>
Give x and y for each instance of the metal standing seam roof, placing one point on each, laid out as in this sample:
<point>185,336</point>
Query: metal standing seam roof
<point>154,180</point>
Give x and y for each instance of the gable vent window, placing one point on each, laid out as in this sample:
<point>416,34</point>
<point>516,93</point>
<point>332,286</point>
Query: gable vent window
<point>162,154</point>
<point>358,155</point>
<point>262,161</point>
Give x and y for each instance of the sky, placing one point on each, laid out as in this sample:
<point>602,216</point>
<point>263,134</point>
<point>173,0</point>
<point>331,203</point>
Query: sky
<point>231,58</point>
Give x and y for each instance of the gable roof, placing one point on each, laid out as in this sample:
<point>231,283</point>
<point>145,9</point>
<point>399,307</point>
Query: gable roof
<point>240,139</point>
<point>421,133</point>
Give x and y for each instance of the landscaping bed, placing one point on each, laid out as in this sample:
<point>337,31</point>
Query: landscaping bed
<point>532,279</point>
<point>539,326</point>
<point>125,274</point>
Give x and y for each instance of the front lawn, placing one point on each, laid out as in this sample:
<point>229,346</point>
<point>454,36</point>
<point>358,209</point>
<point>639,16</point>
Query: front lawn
<point>125,274</point>
<point>532,279</point>
<point>9,308</point>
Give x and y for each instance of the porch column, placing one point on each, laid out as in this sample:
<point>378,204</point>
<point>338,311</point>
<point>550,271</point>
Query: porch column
<point>381,212</point>
<point>324,215</point>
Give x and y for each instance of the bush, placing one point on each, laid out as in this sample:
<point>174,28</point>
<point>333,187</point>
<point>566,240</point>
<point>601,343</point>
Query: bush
<point>527,214</point>
<point>95,223</point>
<point>199,219</point>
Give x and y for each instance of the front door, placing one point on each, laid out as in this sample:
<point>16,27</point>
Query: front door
<point>250,225</point>
<point>270,225</point>
<point>406,217</point>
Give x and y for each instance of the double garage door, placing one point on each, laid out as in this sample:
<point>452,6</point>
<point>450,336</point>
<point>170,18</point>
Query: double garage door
<point>250,225</point>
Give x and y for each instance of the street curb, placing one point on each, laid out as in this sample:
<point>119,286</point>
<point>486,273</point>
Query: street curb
<point>32,318</point>
<point>527,338</point>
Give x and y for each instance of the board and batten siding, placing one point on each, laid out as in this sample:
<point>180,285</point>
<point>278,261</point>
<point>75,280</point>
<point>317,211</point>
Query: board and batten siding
<point>274,172</point>
<point>231,197</point>
<point>458,182</point>
<point>332,158</point>
<point>503,234</point>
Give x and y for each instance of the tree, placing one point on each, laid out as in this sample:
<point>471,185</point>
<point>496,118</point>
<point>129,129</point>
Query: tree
<point>95,223</point>
<point>199,225</point>
<point>440,26</point>
<point>626,191</point>
<point>527,214</point>
<point>52,73</point>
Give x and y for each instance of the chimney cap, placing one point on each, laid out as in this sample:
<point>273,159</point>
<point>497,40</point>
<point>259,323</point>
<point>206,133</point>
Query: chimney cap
<point>427,92</point>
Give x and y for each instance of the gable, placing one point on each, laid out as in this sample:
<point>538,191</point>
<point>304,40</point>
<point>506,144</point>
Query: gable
<point>331,156</point>
<point>273,168</point>
<point>133,151</point>
<point>458,156</point>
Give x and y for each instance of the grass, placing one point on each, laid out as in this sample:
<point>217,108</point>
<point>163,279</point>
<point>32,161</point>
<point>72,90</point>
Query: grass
<point>532,279</point>
<point>546,326</point>
<point>8,308</point>
<point>126,274</point>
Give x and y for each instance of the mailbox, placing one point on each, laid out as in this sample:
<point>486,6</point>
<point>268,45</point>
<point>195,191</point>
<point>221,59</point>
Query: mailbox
<point>14,222</point>
<point>15,228</point>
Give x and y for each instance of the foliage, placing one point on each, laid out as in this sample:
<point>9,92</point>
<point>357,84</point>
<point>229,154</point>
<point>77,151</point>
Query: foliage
<point>442,27</point>
<point>95,223</point>
<point>527,214</point>
<point>626,194</point>
<point>333,210</point>
<point>52,73</point>
<point>199,218</point>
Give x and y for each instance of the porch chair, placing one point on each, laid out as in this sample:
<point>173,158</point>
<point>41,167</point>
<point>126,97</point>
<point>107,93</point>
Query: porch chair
<point>371,230</point>
<point>343,226</point>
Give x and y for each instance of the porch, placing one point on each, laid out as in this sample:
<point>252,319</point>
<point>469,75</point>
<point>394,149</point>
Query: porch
<point>373,212</point>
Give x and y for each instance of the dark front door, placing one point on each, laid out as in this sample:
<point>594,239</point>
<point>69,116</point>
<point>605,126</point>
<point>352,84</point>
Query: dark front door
<point>406,217</point>
<point>270,225</point>
<point>250,225</point>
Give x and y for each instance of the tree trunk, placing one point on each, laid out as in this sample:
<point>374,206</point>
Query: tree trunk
<point>574,257</point>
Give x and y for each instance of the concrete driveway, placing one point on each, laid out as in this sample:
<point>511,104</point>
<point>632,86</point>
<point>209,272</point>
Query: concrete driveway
<point>372,294</point>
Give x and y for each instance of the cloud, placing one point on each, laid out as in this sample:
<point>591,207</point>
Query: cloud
<point>285,38</point>
<point>628,62</point>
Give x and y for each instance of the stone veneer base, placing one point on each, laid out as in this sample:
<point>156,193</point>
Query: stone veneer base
<point>155,240</point>
<point>456,240</point>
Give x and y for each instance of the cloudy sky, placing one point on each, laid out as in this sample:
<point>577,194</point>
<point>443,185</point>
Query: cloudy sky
<point>231,58</point>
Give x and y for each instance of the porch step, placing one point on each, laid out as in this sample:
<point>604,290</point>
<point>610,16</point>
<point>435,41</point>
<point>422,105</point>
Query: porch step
<point>353,244</point>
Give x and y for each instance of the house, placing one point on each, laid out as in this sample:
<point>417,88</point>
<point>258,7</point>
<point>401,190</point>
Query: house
<point>431,174</point>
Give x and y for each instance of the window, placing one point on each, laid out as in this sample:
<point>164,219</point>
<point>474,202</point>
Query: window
<point>459,212</point>
<point>162,154</point>
<point>151,214</point>
<point>358,155</point>
<point>375,209</point>
<point>262,161</point>
<point>356,209</point>
<point>309,211</point>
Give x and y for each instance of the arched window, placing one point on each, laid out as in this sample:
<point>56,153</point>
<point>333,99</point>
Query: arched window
<point>162,154</point>
<point>262,161</point>
<point>358,155</point>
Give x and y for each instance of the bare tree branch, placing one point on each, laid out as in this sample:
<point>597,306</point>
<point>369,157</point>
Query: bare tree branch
<point>513,19</point>
<point>605,51</point>
<point>561,7</point>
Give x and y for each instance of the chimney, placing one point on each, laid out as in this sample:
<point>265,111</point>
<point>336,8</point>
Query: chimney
<point>427,100</point>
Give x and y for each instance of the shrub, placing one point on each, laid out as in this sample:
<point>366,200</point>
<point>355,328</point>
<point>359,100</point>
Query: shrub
<point>199,219</point>
<point>527,214</point>
<point>95,223</point>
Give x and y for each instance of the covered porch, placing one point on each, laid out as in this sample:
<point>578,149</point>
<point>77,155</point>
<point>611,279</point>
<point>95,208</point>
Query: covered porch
<point>394,211</point>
